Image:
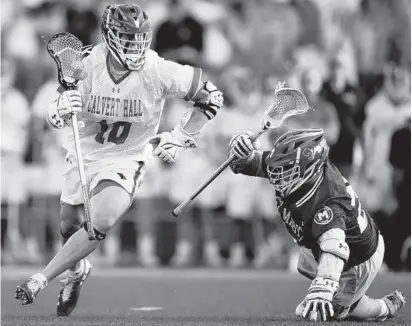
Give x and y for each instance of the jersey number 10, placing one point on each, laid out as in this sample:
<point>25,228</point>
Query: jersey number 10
<point>114,135</point>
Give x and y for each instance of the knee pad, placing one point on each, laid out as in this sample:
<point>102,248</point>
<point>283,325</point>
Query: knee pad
<point>99,235</point>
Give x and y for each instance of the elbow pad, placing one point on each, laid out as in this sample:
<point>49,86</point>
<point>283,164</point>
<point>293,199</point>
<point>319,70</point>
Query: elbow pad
<point>208,100</point>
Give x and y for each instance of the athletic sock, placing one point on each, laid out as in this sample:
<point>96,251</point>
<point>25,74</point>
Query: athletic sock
<point>41,279</point>
<point>78,272</point>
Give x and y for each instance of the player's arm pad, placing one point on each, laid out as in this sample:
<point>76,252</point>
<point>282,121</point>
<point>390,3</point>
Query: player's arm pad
<point>251,165</point>
<point>334,253</point>
<point>208,100</point>
<point>333,242</point>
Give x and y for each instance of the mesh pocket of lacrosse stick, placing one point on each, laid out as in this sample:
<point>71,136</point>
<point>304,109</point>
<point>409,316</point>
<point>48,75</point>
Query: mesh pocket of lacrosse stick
<point>67,51</point>
<point>287,102</point>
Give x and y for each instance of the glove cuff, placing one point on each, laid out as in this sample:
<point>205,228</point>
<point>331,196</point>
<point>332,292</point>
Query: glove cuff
<point>184,137</point>
<point>324,283</point>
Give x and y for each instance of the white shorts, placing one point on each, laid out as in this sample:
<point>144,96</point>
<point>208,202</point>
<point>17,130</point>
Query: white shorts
<point>127,173</point>
<point>353,283</point>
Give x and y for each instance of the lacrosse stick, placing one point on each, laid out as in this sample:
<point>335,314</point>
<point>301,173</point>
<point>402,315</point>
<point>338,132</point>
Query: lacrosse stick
<point>67,50</point>
<point>286,103</point>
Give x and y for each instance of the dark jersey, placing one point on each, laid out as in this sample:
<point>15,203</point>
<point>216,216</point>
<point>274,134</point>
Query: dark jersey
<point>327,203</point>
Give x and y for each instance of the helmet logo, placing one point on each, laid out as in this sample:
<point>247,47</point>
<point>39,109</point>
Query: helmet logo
<point>311,152</point>
<point>323,216</point>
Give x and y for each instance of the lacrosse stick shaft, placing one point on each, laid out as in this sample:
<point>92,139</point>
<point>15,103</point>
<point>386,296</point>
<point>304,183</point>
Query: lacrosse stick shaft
<point>179,209</point>
<point>83,179</point>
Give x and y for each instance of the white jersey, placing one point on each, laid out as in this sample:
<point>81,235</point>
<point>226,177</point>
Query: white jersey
<point>120,116</point>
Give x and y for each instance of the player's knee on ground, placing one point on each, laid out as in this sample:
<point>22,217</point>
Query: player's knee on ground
<point>109,202</point>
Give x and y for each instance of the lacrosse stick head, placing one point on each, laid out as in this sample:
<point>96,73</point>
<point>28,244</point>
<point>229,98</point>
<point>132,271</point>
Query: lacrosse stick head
<point>67,51</point>
<point>286,103</point>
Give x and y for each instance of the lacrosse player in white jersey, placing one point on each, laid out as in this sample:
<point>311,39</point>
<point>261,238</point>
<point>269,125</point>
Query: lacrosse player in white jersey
<point>120,103</point>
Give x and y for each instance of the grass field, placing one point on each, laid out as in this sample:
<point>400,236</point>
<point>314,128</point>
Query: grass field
<point>180,297</point>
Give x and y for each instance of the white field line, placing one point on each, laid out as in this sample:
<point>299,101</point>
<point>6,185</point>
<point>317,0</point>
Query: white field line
<point>146,308</point>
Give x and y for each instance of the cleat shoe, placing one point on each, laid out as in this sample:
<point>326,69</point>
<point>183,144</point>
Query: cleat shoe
<point>70,290</point>
<point>394,301</point>
<point>28,291</point>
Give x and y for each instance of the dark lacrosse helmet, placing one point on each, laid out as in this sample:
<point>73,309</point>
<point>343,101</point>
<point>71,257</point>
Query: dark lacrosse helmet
<point>297,157</point>
<point>127,32</point>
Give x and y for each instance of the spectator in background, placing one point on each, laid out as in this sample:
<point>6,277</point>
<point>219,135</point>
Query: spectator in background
<point>386,112</point>
<point>81,20</point>
<point>15,117</point>
<point>263,34</point>
<point>342,95</point>
<point>24,43</point>
<point>245,204</point>
<point>180,38</point>
<point>196,239</point>
<point>309,16</point>
<point>322,114</point>
<point>399,225</point>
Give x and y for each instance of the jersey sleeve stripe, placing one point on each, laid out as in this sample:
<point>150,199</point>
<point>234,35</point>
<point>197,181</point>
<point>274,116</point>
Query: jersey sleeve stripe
<point>197,74</point>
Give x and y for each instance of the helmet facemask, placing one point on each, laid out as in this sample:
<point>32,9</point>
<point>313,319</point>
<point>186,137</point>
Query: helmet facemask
<point>287,178</point>
<point>129,49</point>
<point>284,179</point>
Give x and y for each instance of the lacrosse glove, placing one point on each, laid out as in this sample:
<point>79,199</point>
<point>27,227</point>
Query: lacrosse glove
<point>168,145</point>
<point>242,147</point>
<point>69,102</point>
<point>318,301</point>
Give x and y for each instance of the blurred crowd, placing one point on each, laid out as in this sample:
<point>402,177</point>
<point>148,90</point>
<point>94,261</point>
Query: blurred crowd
<point>350,58</point>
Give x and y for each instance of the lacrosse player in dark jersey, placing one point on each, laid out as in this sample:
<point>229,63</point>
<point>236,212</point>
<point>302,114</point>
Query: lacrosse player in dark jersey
<point>341,247</point>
